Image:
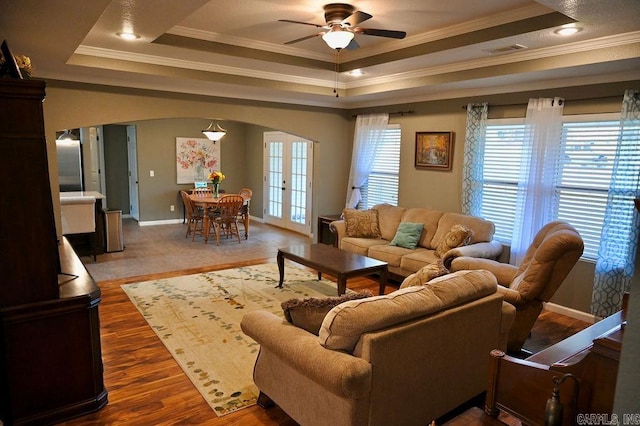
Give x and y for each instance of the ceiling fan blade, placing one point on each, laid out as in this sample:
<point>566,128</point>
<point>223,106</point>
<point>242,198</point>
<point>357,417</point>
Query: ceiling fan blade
<point>355,18</point>
<point>380,33</point>
<point>304,38</point>
<point>353,44</point>
<point>303,23</point>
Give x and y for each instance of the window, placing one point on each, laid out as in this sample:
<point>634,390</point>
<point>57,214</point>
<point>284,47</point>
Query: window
<point>382,185</point>
<point>582,182</point>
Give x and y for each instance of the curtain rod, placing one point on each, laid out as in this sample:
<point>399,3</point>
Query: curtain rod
<point>525,103</point>
<point>400,113</point>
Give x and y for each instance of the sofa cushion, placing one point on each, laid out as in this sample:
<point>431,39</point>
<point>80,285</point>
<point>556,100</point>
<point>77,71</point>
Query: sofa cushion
<point>417,259</point>
<point>308,313</point>
<point>361,223</point>
<point>458,235</point>
<point>483,230</point>
<point>389,218</point>
<point>345,323</point>
<point>429,218</point>
<point>361,246</point>
<point>407,235</point>
<point>393,255</point>
<point>425,274</point>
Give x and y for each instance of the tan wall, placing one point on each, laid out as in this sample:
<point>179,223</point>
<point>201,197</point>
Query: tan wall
<point>71,106</point>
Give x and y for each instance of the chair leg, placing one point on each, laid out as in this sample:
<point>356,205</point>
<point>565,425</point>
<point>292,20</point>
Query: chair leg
<point>216,228</point>
<point>195,229</point>
<point>237,231</point>
<point>264,401</point>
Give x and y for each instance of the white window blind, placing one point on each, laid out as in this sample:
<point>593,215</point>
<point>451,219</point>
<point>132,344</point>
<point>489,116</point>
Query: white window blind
<point>583,176</point>
<point>589,150</point>
<point>382,184</point>
<point>502,158</point>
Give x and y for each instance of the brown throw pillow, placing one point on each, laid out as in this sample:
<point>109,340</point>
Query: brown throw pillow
<point>309,313</point>
<point>458,236</point>
<point>425,274</point>
<point>361,223</point>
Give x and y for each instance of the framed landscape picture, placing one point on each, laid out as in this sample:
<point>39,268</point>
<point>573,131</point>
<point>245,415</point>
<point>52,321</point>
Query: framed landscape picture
<point>434,150</point>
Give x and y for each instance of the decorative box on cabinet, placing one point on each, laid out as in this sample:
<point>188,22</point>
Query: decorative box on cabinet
<point>50,353</point>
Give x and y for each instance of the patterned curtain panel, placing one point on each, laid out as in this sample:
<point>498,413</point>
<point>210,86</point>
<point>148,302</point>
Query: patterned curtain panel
<point>472,172</point>
<point>619,239</point>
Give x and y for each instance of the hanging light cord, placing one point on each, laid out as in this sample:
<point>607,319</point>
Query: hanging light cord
<point>337,72</point>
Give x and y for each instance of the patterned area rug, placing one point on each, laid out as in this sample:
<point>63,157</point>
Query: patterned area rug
<point>197,317</point>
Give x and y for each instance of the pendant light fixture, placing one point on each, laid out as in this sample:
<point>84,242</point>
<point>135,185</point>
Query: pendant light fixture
<point>214,132</point>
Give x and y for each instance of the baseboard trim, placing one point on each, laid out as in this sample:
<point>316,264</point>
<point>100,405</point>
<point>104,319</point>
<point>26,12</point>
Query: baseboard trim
<point>255,219</point>
<point>174,221</point>
<point>570,312</point>
<point>159,222</point>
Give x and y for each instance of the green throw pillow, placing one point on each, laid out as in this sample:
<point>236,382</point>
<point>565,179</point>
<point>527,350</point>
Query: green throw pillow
<point>407,235</point>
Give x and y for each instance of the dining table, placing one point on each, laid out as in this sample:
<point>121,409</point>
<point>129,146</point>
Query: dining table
<point>209,203</point>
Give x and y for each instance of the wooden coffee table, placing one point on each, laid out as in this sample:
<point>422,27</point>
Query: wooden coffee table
<point>333,261</point>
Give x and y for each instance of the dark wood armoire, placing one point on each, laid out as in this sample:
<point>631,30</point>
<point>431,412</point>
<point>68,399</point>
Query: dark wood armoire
<point>50,354</point>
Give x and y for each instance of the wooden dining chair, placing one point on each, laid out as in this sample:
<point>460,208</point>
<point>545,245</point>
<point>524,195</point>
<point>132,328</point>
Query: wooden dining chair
<point>204,192</point>
<point>225,220</point>
<point>194,217</point>
<point>243,213</point>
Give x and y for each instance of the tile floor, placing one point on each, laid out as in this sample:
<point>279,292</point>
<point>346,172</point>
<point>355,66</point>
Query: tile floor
<point>164,248</point>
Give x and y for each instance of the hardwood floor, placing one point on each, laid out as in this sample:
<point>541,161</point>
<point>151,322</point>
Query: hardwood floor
<point>145,384</point>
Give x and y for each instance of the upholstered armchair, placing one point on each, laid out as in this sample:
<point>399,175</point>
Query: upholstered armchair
<point>554,251</point>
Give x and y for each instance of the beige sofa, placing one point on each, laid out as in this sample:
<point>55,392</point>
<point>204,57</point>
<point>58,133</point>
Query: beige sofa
<point>405,358</point>
<point>437,225</point>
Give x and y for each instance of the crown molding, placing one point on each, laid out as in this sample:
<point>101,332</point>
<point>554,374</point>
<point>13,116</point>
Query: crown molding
<point>608,42</point>
<point>249,43</point>
<point>100,52</point>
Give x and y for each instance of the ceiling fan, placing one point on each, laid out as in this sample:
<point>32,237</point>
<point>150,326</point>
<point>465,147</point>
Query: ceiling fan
<point>341,27</point>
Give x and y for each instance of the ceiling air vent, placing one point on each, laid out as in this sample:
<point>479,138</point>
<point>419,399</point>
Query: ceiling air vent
<point>507,49</point>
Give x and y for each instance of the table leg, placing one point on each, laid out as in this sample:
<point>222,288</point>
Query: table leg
<point>246,225</point>
<point>205,226</point>
<point>384,277</point>
<point>280,260</point>
<point>342,284</point>
<point>319,275</point>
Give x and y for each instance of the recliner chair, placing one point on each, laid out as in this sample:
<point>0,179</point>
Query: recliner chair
<point>554,251</point>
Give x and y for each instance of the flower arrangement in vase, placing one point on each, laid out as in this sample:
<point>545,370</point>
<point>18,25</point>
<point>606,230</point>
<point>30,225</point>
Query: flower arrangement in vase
<point>216,177</point>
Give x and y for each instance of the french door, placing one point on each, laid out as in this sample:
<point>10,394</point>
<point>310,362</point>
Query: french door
<point>288,162</point>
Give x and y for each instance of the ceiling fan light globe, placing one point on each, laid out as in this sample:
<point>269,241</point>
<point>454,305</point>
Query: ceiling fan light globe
<point>338,39</point>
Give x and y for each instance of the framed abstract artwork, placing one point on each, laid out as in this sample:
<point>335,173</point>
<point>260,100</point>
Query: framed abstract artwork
<point>195,159</point>
<point>434,150</point>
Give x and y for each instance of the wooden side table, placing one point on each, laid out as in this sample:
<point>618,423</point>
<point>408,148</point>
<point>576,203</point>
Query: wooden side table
<point>325,236</point>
